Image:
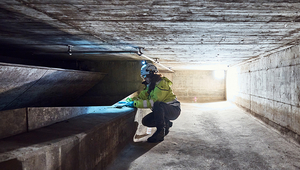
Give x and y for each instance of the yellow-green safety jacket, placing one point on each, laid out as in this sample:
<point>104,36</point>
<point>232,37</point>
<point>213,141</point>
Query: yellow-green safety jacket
<point>162,92</point>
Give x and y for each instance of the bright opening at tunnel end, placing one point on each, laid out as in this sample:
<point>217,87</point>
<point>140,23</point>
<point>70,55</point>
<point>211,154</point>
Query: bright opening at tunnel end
<point>219,74</point>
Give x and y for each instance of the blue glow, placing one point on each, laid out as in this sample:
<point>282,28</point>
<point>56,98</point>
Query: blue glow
<point>106,109</point>
<point>144,62</point>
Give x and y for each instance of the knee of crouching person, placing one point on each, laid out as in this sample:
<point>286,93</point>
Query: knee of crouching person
<point>157,104</point>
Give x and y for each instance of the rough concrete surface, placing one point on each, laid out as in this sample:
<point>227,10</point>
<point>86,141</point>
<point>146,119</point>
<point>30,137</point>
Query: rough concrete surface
<point>12,122</point>
<point>80,143</point>
<point>269,88</point>
<point>180,34</point>
<point>23,86</point>
<point>199,86</point>
<point>213,136</point>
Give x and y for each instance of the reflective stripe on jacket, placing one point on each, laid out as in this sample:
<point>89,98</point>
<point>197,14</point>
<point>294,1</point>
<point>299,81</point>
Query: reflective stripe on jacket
<point>162,92</point>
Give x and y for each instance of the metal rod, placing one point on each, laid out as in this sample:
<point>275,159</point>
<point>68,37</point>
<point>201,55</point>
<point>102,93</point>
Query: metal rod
<point>87,52</point>
<point>154,61</point>
<point>100,52</point>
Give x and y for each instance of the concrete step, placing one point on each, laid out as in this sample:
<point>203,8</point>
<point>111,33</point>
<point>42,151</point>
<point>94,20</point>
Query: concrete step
<point>84,142</point>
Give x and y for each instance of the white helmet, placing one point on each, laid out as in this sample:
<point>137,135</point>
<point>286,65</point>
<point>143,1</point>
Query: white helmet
<point>147,69</point>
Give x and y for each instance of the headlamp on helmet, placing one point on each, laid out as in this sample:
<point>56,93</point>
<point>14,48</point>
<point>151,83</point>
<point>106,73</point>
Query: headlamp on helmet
<point>148,69</point>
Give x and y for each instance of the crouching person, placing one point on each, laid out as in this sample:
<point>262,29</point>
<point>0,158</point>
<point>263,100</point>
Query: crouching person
<point>158,96</point>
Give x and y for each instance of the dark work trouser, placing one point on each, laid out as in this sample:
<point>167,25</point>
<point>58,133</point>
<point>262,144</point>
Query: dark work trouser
<point>161,113</point>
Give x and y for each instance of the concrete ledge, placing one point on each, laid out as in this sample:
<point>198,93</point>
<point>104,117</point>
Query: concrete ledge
<point>85,142</point>
<point>38,117</point>
<point>12,122</point>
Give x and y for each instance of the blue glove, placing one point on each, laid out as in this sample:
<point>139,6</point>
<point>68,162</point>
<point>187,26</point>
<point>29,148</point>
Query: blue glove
<point>129,104</point>
<point>122,102</point>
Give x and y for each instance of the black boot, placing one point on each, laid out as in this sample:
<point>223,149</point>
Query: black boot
<point>168,124</point>
<point>158,136</point>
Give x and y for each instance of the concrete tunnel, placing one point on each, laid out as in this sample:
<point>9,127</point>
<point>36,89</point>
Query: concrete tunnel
<point>65,64</point>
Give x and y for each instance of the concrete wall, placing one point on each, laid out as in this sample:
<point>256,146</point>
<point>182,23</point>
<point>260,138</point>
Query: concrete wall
<point>25,86</point>
<point>13,122</point>
<point>122,79</point>
<point>198,86</point>
<point>269,88</point>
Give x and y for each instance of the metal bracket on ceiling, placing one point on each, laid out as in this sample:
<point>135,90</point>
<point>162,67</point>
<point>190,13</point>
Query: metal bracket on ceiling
<point>156,60</point>
<point>69,49</point>
<point>140,51</point>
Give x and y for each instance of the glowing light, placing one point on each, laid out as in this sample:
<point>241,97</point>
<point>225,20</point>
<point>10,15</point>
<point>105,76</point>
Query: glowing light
<point>144,62</point>
<point>219,74</point>
<point>232,84</point>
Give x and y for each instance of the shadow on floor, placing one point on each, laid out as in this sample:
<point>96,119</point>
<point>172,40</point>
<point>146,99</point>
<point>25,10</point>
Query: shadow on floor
<point>130,153</point>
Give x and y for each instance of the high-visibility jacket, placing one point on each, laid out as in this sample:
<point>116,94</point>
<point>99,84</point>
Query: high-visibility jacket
<point>162,92</point>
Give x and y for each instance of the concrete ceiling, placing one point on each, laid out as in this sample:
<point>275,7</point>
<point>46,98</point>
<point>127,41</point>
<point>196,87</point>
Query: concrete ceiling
<point>183,35</point>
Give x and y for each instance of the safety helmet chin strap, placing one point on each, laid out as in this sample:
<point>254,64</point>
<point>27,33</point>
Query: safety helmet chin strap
<point>151,74</point>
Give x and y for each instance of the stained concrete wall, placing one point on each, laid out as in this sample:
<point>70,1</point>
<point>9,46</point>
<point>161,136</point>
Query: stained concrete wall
<point>269,88</point>
<point>25,86</point>
<point>123,78</point>
<point>198,86</point>
<point>13,122</point>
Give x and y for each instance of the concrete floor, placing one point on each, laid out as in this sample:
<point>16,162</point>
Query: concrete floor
<point>213,136</point>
